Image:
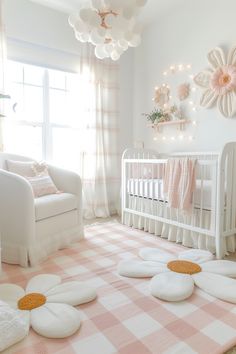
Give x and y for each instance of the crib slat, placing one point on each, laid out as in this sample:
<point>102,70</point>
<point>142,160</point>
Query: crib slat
<point>229,190</point>
<point>233,224</point>
<point>213,196</point>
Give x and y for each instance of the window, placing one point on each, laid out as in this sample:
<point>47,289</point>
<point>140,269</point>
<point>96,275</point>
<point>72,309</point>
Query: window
<point>49,118</point>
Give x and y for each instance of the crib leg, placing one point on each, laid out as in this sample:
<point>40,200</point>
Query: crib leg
<point>219,246</point>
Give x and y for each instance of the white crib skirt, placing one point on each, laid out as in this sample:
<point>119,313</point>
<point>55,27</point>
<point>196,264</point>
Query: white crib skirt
<point>172,233</point>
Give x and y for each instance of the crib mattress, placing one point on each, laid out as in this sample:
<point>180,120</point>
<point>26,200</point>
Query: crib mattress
<point>153,189</point>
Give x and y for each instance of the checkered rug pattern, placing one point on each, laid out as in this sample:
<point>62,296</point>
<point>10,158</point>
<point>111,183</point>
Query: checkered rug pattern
<point>125,318</point>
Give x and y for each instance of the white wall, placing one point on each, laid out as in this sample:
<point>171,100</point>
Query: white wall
<point>184,36</point>
<point>42,36</point>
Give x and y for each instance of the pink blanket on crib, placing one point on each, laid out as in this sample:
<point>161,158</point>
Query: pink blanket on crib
<point>179,182</point>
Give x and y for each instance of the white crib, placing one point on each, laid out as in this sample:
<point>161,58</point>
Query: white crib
<point>213,213</point>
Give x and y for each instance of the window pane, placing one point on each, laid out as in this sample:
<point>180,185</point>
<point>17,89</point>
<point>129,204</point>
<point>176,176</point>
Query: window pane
<point>33,103</point>
<point>67,107</point>
<point>58,106</point>
<point>33,75</point>
<point>15,71</point>
<point>57,79</point>
<point>72,82</point>
<point>67,148</point>
<point>23,140</point>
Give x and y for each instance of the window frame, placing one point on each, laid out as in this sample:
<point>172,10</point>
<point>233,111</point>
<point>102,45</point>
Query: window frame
<point>46,124</point>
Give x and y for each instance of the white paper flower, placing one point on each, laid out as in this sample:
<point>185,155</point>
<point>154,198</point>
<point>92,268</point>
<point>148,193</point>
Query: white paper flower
<point>219,82</point>
<point>47,304</point>
<point>174,277</point>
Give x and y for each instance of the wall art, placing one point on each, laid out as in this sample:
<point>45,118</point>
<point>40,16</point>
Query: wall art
<point>219,82</point>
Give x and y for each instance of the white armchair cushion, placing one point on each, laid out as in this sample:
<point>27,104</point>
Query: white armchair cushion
<point>54,204</point>
<point>22,168</point>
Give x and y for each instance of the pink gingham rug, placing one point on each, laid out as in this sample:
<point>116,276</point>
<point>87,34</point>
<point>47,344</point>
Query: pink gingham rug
<point>125,318</point>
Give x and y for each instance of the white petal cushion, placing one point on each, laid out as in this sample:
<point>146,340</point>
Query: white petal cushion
<point>11,293</point>
<point>55,320</point>
<point>198,256</point>
<point>156,255</point>
<point>54,204</point>
<point>140,269</point>
<point>172,286</point>
<point>13,326</point>
<point>72,293</point>
<point>223,267</point>
<point>216,285</point>
<point>42,283</point>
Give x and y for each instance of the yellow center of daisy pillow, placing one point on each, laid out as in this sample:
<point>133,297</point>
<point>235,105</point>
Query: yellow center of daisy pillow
<point>31,301</point>
<point>184,267</point>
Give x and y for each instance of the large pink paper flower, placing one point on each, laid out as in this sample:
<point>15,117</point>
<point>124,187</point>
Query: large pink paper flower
<point>219,82</point>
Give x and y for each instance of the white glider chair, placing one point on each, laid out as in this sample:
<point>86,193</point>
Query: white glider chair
<point>32,228</point>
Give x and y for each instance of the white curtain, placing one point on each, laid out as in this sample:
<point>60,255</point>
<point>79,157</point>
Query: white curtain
<point>100,159</point>
<point>2,68</point>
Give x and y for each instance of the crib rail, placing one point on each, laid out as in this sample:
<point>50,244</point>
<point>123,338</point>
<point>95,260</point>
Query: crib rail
<point>143,179</point>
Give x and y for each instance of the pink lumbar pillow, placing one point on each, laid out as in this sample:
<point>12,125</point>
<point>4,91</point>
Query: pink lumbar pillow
<point>42,184</point>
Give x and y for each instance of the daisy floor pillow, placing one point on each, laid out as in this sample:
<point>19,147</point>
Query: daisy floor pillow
<point>46,304</point>
<point>174,277</point>
<point>13,327</point>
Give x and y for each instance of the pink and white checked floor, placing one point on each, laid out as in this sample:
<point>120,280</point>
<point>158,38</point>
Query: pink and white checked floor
<point>125,318</point>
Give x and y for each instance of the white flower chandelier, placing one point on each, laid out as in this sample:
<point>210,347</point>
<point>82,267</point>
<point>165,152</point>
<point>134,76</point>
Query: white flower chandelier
<point>108,24</point>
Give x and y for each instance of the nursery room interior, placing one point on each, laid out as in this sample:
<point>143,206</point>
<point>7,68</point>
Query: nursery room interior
<point>117,176</point>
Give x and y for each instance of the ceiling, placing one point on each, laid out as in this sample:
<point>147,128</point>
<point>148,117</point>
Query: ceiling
<point>153,10</point>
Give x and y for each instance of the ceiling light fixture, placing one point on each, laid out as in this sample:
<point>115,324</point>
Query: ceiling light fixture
<point>110,25</point>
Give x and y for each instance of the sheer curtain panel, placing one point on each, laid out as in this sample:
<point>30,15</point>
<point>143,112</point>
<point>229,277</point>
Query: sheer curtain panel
<point>2,69</point>
<point>100,157</point>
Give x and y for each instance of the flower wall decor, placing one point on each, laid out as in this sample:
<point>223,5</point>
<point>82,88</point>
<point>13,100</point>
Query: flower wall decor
<point>219,82</point>
<point>162,95</point>
<point>183,91</point>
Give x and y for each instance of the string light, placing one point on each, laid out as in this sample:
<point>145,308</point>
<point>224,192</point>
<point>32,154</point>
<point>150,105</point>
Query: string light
<point>172,139</point>
<point>177,69</point>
